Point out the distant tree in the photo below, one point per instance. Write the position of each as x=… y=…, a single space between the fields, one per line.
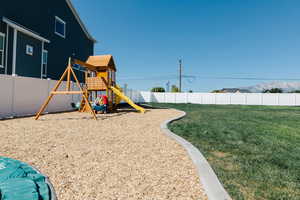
x=295 y=91
x=273 y=90
x=174 y=88
x=216 y=91
x=158 y=89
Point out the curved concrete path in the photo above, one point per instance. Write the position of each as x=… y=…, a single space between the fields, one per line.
x=213 y=188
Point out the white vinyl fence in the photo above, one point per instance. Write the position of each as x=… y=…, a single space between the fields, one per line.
x=287 y=99
x=22 y=96
x=134 y=95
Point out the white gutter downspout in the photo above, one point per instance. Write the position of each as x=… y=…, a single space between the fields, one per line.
x=6 y=48
x=14 y=52
x=43 y=44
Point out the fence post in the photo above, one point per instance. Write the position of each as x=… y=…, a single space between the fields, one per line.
x=150 y=97
x=215 y=98
x=175 y=97
x=201 y=98
x=13 y=96
x=139 y=93
x=187 y=97
x=259 y=98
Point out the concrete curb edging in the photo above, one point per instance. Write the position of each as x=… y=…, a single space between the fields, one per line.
x=212 y=186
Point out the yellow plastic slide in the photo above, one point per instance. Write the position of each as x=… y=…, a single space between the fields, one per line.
x=118 y=99
x=125 y=98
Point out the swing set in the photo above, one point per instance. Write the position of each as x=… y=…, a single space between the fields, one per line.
x=99 y=77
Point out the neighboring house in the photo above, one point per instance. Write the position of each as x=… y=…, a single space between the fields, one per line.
x=37 y=37
x=234 y=90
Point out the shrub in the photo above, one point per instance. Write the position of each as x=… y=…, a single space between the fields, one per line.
x=158 y=89
x=273 y=90
x=295 y=91
x=175 y=88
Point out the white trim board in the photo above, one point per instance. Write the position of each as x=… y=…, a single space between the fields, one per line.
x=3 y=50
x=46 y=65
x=42 y=57
x=14 y=52
x=64 y=24
x=6 y=48
x=18 y=27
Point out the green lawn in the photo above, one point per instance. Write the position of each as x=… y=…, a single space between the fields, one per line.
x=254 y=150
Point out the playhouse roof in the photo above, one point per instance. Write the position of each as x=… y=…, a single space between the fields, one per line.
x=102 y=62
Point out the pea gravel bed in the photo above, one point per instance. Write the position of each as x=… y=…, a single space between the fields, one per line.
x=120 y=156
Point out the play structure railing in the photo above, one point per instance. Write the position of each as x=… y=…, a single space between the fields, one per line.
x=95 y=83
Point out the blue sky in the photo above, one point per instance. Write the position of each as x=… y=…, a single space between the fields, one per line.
x=215 y=39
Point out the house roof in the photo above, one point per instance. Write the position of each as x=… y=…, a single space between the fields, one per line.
x=24 y=29
x=102 y=61
x=85 y=30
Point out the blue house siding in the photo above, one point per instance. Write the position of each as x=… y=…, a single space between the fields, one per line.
x=39 y=16
x=27 y=63
x=10 y=51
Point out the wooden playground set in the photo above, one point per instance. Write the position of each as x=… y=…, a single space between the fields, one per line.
x=100 y=76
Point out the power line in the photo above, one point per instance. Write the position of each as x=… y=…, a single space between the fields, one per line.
x=159 y=77
x=180 y=74
x=248 y=78
x=168 y=86
x=173 y=77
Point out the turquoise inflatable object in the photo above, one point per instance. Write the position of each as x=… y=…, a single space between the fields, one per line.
x=19 y=181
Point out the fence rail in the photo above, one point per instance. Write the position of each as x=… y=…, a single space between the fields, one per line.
x=288 y=99
x=22 y=96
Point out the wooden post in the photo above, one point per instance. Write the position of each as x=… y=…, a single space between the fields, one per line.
x=68 y=81
x=51 y=95
x=83 y=94
x=69 y=76
x=54 y=91
x=105 y=82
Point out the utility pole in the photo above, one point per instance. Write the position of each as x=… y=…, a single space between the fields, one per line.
x=180 y=74
x=125 y=88
x=168 y=86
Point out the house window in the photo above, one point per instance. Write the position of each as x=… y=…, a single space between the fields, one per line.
x=2 y=40
x=45 y=63
x=29 y=50
x=60 y=27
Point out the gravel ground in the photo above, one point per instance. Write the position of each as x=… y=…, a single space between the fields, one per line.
x=120 y=156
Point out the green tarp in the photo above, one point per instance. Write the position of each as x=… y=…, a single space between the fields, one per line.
x=19 y=181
